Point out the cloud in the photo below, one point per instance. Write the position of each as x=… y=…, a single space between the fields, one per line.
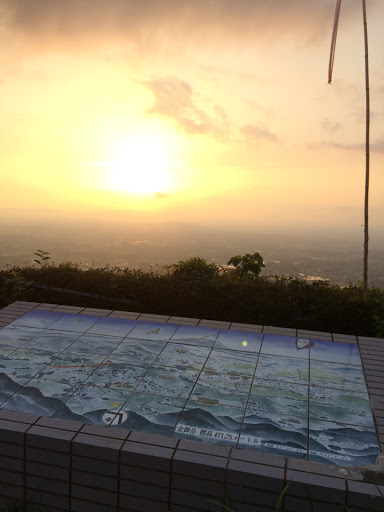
x=136 y=22
x=376 y=147
x=256 y=105
x=159 y=195
x=175 y=99
x=329 y=126
x=253 y=132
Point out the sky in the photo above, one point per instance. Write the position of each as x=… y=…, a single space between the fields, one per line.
x=195 y=110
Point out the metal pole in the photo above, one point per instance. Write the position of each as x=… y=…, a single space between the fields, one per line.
x=366 y=237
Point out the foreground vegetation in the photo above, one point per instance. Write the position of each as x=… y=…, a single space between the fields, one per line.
x=198 y=289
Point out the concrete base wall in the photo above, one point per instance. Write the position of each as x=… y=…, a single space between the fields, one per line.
x=61 y=465
x=64 y=465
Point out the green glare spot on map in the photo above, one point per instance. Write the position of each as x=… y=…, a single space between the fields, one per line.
x=245 y=343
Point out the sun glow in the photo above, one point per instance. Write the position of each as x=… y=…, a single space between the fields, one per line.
x=139 y=165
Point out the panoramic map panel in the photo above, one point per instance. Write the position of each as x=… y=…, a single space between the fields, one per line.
x=96 y=405
x=275 y=433
x=340 y=405
x=337 y=375
x=222 y=389
x=64 y=375
x=285 y=369
x=285 y=346
x=231 y=362
x=152 y=331
x=18 y=371
x=57 y=341
x=150 y=413
x=346 y=353
x=168 y=381
x=274 y=394
x=113 y=327
x=99 y=345
x=239 y=340
x=117 y=375
x=11 y=381
x=28 y=355
x=40 y=396
x=37 y=318
x=200 y=336
x=345 y=445
x=279 y=397
x=72 y=322
x=183 y=356
x=87 y=362
x=210 y=423
x=12 y=338
x=141 y=352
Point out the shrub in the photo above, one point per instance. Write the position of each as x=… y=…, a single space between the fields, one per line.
x=195 y=288
x=194 y=269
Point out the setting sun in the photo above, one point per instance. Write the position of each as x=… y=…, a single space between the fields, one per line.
x=139 y=165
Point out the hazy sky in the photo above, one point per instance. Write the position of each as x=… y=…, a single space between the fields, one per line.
x=191 y=109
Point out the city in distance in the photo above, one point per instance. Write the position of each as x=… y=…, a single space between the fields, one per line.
x=137 y=241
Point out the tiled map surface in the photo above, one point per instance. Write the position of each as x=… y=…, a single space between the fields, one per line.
x=296 y=397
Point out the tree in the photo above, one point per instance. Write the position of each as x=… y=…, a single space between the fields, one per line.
x=249 y=265
x=195 y=268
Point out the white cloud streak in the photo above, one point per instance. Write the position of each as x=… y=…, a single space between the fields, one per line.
x=253 y=132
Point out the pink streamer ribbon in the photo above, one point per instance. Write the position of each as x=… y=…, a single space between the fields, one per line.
x=333 y=41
